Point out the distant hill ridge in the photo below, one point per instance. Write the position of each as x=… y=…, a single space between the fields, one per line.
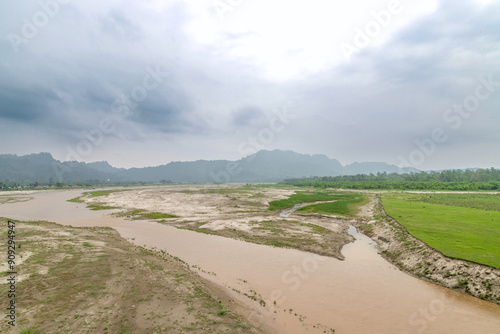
x=263 y=166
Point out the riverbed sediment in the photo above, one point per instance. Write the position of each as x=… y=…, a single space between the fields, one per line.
x=290 y=291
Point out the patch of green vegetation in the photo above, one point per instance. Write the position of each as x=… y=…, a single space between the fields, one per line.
x=29 y=330
x=347 y=205
x=99 y=193
x=222 y=310
x=316 y=228
x=77 y=200
x=457 y=231
x=140 y=214
x=99 y=206
x=129 y=213
x=303 y=197
x=158 y=215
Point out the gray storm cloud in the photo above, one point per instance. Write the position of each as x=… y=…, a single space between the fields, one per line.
x=64 y=79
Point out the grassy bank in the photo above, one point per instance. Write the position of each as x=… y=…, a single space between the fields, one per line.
x=465 y=226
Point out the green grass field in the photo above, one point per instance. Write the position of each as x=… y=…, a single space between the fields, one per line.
x=465 y=226
x=346 y=204
x=343 y=203
x=476 y=201
x=301 y=197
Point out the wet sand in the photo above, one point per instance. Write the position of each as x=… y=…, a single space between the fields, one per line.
x=363 y=294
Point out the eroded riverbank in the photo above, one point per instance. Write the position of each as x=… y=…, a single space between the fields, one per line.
x=418 y=259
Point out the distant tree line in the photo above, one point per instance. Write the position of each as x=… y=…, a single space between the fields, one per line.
x=466 y=180
x=14 y=185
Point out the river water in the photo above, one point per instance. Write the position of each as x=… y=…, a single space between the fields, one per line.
x=363 y=294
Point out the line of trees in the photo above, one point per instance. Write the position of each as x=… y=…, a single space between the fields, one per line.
x=465 y=180
x=12 y=185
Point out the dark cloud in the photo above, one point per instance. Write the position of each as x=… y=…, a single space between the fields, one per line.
x=164 y=112
x=23 y=106
x=67 y=78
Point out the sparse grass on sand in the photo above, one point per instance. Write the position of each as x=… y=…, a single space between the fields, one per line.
x=97 y=193
x=139 y=214
x=90 y=280
x=286 y=233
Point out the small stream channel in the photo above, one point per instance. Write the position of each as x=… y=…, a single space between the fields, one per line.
x=287 y=212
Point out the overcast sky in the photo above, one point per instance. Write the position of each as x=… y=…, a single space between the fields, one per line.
x=143 y=83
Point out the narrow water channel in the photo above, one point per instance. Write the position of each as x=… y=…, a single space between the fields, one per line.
x=363 y=294
x=287 y=212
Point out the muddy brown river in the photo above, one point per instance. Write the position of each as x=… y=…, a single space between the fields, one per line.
x=363 y=294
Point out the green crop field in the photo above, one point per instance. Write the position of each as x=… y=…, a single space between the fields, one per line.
x=465 y=226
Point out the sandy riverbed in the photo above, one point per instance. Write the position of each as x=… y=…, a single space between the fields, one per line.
x=362 y=294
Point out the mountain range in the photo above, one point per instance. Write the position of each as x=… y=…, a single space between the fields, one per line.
x=263 y=166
